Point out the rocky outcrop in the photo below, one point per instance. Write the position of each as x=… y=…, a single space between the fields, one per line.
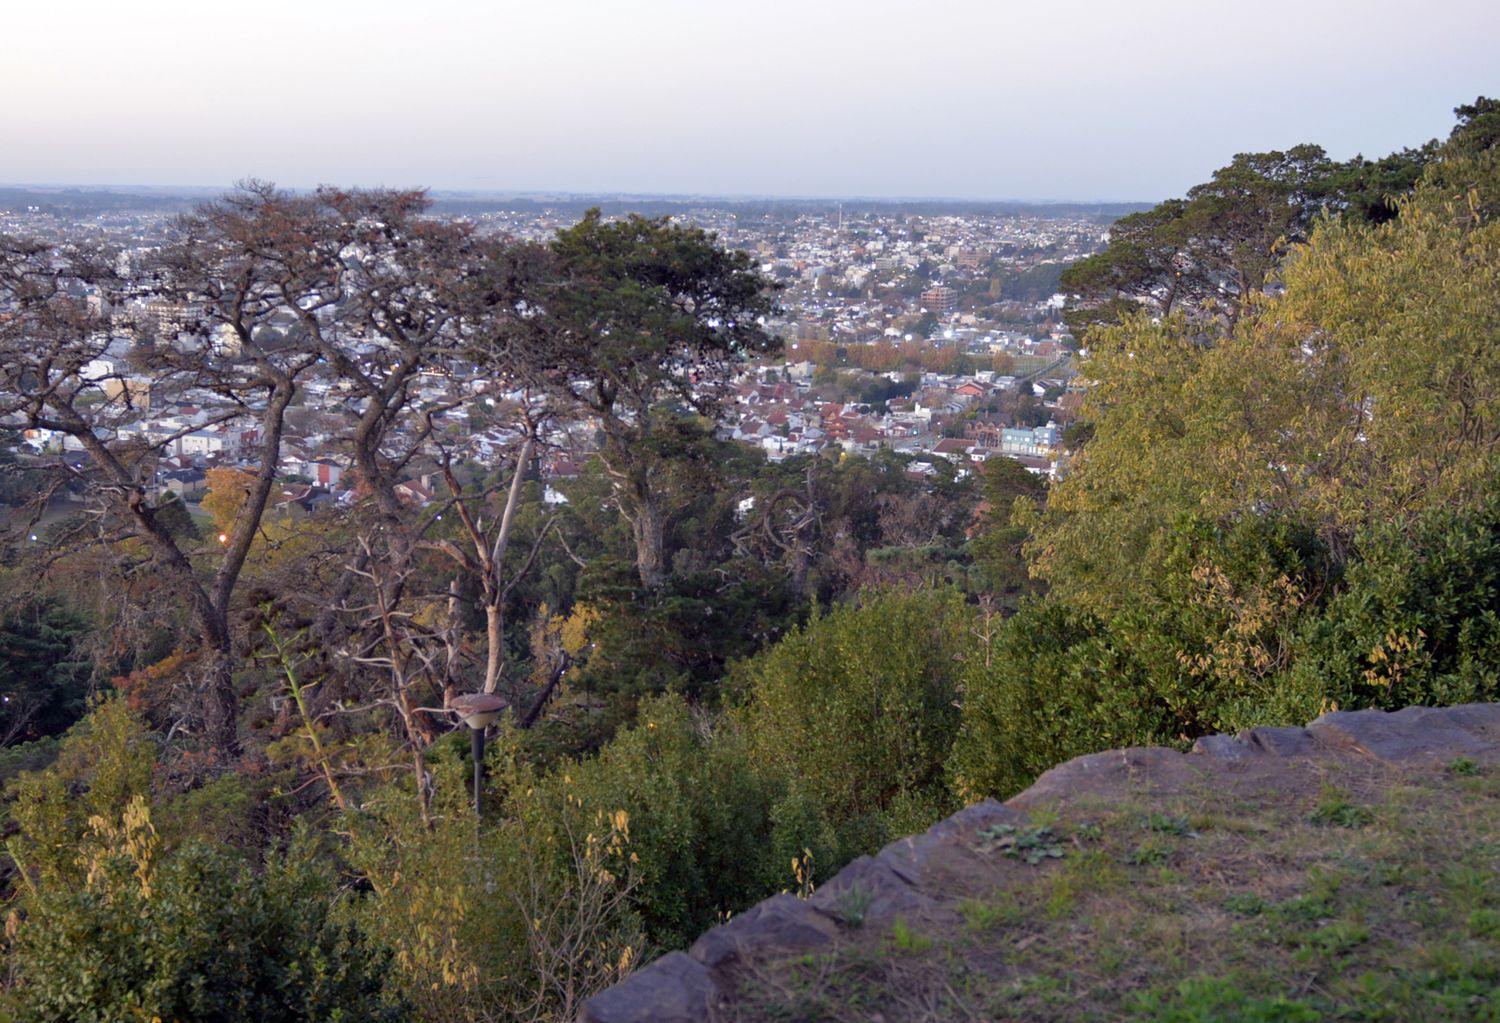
x=908 y=876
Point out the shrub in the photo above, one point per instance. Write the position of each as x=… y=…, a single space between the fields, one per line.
x=711 y=832
x=194 y=935
x=858 y=710
x=1055 y=683
x=106 y=760
x=1418 y=621
x=442 y=896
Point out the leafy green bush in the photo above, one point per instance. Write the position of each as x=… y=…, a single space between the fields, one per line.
x=194 y=935
x=859 y=710
x=106 y=761
x=1214 y=632
x=1417 y=622
x=442 y=895
x=520 y=916
x=1055 y=683
x=712 y=832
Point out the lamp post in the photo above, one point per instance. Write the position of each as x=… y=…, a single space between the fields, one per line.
x=478 y=711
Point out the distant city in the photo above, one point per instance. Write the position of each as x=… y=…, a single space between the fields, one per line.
x=927 y=327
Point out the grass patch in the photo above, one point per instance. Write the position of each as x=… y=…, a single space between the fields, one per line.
x=1335 y=810
x=1350 y=896
x=854 y=903
x=908 y=940
x=1033 y=845
x=982 y=915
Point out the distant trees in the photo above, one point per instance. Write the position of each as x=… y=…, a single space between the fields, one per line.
x=1207 y=254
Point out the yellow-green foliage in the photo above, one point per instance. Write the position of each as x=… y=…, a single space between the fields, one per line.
x=118 y=921
x=858 y=710
x=520 y=917
x=1368 y=388
x=712 y=830
x=442 y=897
x=105 y=764
x=194 y=935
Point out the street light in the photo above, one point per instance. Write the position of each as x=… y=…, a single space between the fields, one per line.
x=478 y=711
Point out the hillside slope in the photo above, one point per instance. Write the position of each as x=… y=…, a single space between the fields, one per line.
x=1343 y=870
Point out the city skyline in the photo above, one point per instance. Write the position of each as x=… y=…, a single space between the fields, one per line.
x=952 y=100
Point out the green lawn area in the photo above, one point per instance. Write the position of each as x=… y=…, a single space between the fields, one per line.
x=1359 y=898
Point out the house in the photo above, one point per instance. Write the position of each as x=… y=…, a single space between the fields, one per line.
x=1032 y=443
x=183 y=482
x=293 y=499
x=324 y=472
x=412 y=493
x=955 y=449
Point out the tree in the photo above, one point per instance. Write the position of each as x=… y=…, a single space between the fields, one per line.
x=998 y=540
x=1209 y=253
x=1216 y=247
x=44 y=682
x=1051 y=684
x=1143 y=264
x=240 y=263
x=1369 y=389
x=226 y=490
x=1478 y=127
x=1367 y=190
x=1241 y=221
x=397 y=305
x=634 y=319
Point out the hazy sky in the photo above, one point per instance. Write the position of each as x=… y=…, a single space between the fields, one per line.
x=1049 y=99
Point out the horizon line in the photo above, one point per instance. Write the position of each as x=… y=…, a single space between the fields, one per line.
x=571 y=195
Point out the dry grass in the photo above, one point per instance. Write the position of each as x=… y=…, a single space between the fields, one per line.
x=1352 y=894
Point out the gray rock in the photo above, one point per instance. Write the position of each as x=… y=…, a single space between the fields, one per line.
x=684 y=988
x=885 y=893
x=783 y=923
x=906 y=857
x=1412 y=735
x=1257 y=742
x=674 y=989
x=1223 y=747
x=976 y=817
x=1478 y=719
x=1110 y=774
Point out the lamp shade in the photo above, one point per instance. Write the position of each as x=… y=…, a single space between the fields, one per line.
x=478 y=710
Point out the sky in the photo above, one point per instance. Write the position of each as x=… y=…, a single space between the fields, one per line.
x=987 y=99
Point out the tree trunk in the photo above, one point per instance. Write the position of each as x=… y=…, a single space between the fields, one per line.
x=493 y=563
x=220 y=703
x=453 y=672
x=650 y=538
x=494 y=623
